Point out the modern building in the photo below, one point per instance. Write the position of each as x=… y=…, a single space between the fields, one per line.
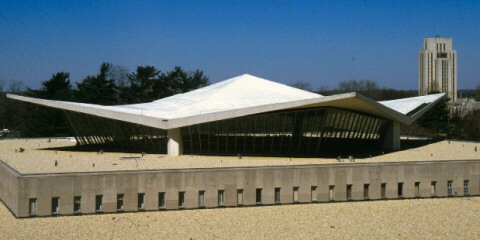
x=437 y=68
x=243 y=115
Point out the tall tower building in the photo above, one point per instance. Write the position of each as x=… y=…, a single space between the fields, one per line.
x=437 y=67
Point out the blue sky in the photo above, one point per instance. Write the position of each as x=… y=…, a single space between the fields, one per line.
x=321 y=42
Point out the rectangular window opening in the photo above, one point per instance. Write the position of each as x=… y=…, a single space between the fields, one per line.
x=295 y=194
x=349 y=192
x=32 y=204
x=450 y=188
x=331 y=192
x=240 y=197
x=383 y=191
x=141 y=201
x=55 y=205
x=120 y=202
x=417 y=189
x=400 y=190
x=99 y=203
x=201 y=199
x=433 y=188
x=161 y=200
x=366 y=191
x=465 y=188
x=77 y=204
x=314 y=193
x=181 y=199
x=258 y=196
x=221 y=198
x=277 y=196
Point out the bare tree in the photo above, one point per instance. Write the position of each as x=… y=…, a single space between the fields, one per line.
x=302 y=85
x=16 y=86
x=2 y=83
x=368 y=88
x=120 y=75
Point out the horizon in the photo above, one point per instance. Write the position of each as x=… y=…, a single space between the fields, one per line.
x=319 y=43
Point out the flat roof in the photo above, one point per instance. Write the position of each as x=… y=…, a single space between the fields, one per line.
x=38 y=158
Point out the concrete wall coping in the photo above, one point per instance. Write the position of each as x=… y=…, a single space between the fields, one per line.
x=185 y=170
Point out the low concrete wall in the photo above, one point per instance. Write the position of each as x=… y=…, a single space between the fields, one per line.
x=66 y=186
x=9 y=187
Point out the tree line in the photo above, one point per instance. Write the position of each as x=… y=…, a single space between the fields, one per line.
x=112 y=85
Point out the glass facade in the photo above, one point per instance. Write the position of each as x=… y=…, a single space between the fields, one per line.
x=293 y=132
x=305 y=132
x=106 y=133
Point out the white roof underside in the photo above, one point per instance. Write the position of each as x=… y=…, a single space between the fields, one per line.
x=406 y=105
x=236 y=97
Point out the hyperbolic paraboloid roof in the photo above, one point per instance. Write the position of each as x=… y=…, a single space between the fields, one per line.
x=241 y=96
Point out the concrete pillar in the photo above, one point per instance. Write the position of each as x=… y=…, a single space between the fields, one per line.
x=391 y=140
x=175 y=144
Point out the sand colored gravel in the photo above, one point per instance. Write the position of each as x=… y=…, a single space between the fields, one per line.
x=36 y=160
x=452 y=218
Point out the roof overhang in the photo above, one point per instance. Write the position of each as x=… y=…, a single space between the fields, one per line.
x=349 y=101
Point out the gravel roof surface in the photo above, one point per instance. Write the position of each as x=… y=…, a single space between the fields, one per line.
x=37 y=158
x=446 y=218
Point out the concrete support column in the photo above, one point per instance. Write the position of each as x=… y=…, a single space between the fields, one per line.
x=391 y=140
x=175 y=144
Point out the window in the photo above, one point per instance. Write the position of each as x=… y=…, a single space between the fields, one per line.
x=119 y=202
x=77 y=204
x=349 y=192
x=433 y=187
x=240 y=197
x=366 y=191
x=449 y=188
x=465 y=188
x=181 y=199
x=141 y=201
x=201 y=199
x=295 y=194
x=314 y=193
x=417 y=189
x=383 y=191
x=258 y=196
x=55 y=205
x=400 y=190
x=277 y=196
x=331 y=192
x=99 y=203
x=221 y=197
x=32 y=203
x=161 y=200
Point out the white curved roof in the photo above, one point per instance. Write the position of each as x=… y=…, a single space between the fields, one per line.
x=236 y=97
x=406 y=105
x=236 y=93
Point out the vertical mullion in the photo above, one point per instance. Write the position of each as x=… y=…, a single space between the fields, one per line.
x=273 y=132
x=292 y=130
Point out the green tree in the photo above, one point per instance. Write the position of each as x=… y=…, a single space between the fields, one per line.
x=477 y=94
x=47 y=122
x=178 y=81
x=99 y=89
x=436 y=118
x=141 y=85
